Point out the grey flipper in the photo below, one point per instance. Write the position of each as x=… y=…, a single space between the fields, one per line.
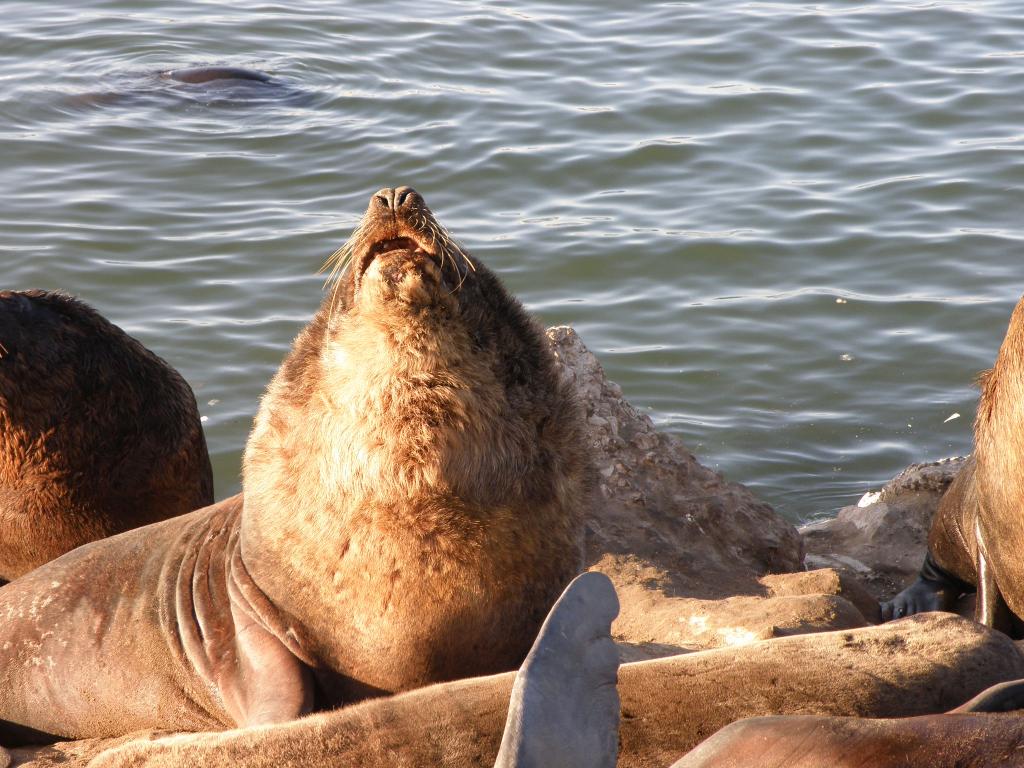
x=564 y=710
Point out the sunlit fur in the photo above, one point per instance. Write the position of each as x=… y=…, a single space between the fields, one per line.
x=417 y=465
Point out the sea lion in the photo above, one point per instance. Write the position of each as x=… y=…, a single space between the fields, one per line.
x=978 y=733
x=925 y=664
x=805 y=741
x=977 y=534
x=203 y=75
x=207 y=86
x=413 y=494
x=97 y=434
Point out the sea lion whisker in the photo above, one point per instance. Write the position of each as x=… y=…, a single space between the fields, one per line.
x=435 y=244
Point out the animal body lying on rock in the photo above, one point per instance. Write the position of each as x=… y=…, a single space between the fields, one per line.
x=97 y=434
x=925 y=664
x=413 y=495
x=985 y=732
x=977 y=535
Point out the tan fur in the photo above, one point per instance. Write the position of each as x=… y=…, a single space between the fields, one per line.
x=413 y=496
x=426 y=511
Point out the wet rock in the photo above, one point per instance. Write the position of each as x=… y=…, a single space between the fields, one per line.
x=882 y=540
x=686 y=548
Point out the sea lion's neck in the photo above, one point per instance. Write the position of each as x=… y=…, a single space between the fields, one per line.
x=365 y=430
x=370 y=412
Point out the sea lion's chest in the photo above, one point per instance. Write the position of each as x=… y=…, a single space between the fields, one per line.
x=424 y=606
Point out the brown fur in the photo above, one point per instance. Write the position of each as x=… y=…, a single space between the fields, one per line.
x=920 y=665
x=413 y=496
x=97 y=434
x=417 y=472
x=981 y=516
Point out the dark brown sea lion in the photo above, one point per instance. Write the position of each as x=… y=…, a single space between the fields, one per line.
x=97 y=434
x=977 y=536
x=202 y=75
x=414 y=487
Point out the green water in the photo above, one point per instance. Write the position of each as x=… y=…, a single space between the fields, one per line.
x=792 y=233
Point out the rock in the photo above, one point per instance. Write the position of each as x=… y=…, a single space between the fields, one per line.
x=788 y=604
x=884 y=541
x=661 y=507
x=921 y=665
x=824 y=581
x=677 y=538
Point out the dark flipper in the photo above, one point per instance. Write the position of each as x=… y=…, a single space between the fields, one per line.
x=936 y=589
x=1004 y=697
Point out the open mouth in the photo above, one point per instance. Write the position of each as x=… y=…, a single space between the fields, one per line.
x=394 y=244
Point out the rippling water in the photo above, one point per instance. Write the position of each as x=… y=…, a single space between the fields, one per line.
x=791 y=232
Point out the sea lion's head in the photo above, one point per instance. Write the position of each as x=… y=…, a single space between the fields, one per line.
x=420 y=376
x=399 y=253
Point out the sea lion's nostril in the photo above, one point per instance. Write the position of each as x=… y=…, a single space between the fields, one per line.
x=404 y=195
x=385 y=198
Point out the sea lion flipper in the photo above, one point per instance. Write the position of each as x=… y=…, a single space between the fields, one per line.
x=564 y=708
x=935 y=589
x=1003 y=697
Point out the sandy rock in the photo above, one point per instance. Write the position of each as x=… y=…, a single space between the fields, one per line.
x=824 y=581
x=787 y=604
x=921 y=665
x=732 y=621
x=883 y=542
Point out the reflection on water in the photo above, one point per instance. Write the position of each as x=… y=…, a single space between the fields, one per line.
x=790 y=232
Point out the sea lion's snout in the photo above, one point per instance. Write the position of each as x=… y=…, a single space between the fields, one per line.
x=401 y=252
x=397 y=200
x=400 y=248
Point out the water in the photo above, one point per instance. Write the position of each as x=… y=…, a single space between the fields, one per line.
x=792 y=233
